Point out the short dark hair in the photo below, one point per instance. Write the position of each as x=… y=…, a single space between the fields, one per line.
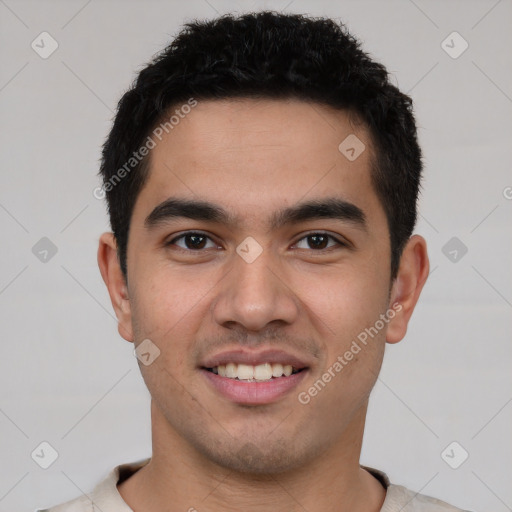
x=267 y=55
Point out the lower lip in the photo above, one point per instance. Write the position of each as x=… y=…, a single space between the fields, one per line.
x=254 y=393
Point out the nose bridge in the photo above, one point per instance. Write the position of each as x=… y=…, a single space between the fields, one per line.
x=253 y=294
x=253 y=279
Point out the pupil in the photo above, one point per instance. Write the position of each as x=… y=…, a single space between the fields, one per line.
x=195 y=243
x=322 y=239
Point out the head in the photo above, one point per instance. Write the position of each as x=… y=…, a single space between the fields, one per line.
x=276 y=136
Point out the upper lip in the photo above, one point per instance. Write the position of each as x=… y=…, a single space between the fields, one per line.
x=240 y=356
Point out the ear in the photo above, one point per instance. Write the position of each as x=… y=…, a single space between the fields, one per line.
x=117 y=288
x=406 y=289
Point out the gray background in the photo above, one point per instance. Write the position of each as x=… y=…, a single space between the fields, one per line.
x=70 y=380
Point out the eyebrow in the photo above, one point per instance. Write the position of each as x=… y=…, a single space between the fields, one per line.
x=326 y=208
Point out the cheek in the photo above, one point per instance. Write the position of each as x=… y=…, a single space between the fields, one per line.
x=163 y=297
x=345 y=305
x=165 y=309
x=345 y=300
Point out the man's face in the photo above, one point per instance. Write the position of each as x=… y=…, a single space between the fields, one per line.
x=212 y=297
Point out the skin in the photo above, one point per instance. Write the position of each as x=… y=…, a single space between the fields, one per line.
x=253 y=157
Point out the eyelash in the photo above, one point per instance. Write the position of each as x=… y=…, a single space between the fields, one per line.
x=321 y=233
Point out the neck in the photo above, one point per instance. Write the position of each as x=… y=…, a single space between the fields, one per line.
x=179 y=478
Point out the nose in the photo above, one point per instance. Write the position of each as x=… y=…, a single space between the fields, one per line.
x=254 y=295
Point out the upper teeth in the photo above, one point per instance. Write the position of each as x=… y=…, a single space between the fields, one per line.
x=248 y=372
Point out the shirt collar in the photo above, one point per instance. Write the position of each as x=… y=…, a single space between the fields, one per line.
x=107 y=498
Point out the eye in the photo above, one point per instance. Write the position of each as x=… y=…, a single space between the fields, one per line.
x=197 y=241
x=192 y=241
x=319 y=241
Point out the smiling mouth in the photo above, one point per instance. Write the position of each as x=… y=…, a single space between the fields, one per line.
x=260 y=373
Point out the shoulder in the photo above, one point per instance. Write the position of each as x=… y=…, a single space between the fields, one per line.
x=105 y=496
x=400 y=499
x=405 y=500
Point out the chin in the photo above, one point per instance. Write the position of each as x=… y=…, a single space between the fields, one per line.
x=255 y=458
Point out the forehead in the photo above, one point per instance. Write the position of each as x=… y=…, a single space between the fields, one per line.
x=258 y=155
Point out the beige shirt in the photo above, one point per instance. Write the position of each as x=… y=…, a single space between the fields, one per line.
x=106 y=498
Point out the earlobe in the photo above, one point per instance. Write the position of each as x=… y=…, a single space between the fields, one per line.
x=406 y=289
x=113 y=277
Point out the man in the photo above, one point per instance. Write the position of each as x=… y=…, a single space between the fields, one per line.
x=262 y=176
